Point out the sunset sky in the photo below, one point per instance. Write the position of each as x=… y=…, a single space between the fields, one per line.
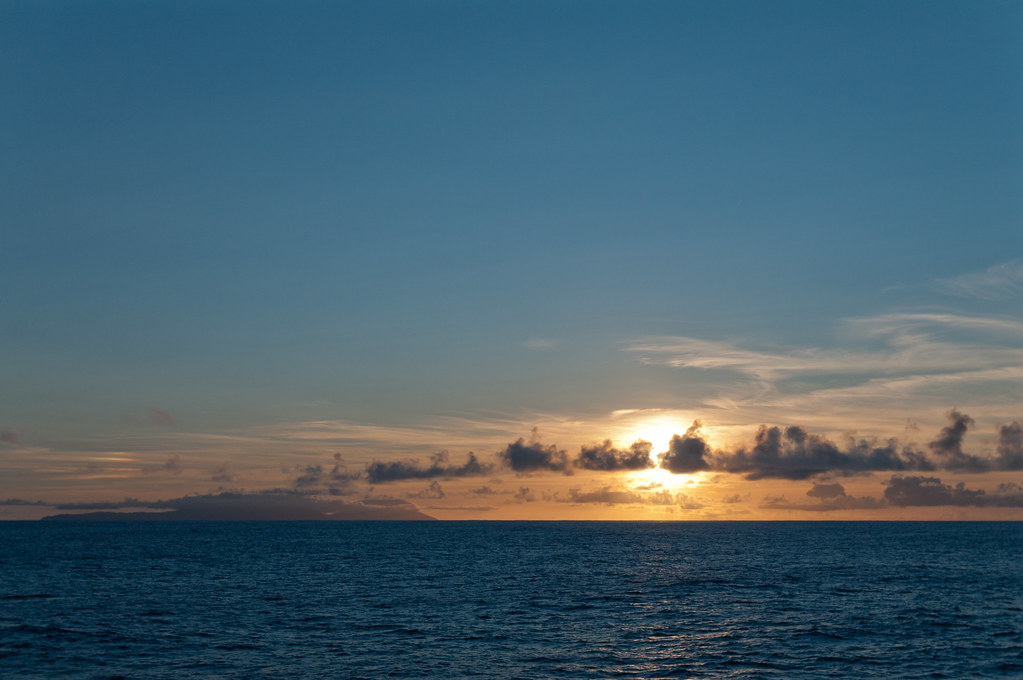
x=434 y=255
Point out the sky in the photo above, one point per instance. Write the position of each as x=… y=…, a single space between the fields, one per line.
x=464 y=258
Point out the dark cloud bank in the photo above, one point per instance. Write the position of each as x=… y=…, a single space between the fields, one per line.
x=377 y=472
x=929 y=491
x=903 y=492
x=790 y=453
x=781 y=453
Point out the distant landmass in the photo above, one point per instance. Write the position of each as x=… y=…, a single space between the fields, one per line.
x=252 y=507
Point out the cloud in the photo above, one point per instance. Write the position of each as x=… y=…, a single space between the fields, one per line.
x=487 y=491
x=442 y=432
x=834 y=497
x=275 y=504
x=1010 y=447
x=171 y=464
x=388 y=501
x=113 y=505
x=948 y=447
x=686 y=454
x=878 y=364
x=434 y=490
x=994 y=283
x=222 y=475
x=462 y=508
x=380 y=472
x=902 y=328
x=687 y=502
x=8 y=436
x=608 y=495
x=316 y=477
x=795 y=454
x=683 y=352
x=790 y=452
x=929 y=491
x=826 y=491
x=519 y=456
x=522 y=457
x=20 y=502
x=606 y=457
x=158 y=416
x=312 y=476
x=891 y=344
x=525 y=495
x=831 y=497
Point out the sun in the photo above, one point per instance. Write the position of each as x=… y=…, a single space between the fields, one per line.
x=657 y=430
x=657 y=427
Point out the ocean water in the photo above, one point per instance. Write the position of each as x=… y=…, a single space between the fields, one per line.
x=511 y=600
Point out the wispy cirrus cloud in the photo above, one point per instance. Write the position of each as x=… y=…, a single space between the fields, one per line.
x=912 y=360
x=997 y=282
x=903 y=344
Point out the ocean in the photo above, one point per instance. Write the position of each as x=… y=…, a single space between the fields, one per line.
x=511 y=600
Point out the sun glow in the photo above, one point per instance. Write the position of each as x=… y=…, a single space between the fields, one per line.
x=656 y=430
x=661 y=478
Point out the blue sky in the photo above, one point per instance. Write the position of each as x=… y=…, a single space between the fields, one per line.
x=395 y=214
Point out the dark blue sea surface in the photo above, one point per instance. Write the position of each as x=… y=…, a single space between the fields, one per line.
x=511 y=600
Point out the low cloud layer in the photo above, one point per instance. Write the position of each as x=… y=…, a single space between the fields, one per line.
x=786 y=453
x=791 y=453
x=523 y=457
x=929 y=491
x=606 y=457
x=20 y=502
x=902 y=492
x=378 y=472
x=612 y=496
x=830 y=496
x=276 y=504
x=313 y=478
